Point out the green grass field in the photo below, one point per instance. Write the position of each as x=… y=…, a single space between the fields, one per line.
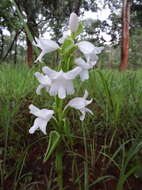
x=106 y=154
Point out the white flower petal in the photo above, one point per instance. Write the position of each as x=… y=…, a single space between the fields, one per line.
x=85 y=94
x=87 y=102
x=73 y=22
x=91 y=58
x=38 y=90
x=39 y=124
x=86 y=47
x=61 y=93
x=82 y=117
x=48 y=45
x=35 y=126
x=77 y=103
x=84 y=75
x=70 y=88
x=47 y=88
x=98 y=49
x=73 y=73
x=44 y=114
x=50 y=72
x=43 y=52
x=42 y=125
x=33 y=109
x=81 y=63
x=89 y=111
x=53 y=91
x=43 y=79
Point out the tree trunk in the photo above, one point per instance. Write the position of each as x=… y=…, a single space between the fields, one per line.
x=29 y=53
x=11 y=45
x=2 y=44
x=125 y=35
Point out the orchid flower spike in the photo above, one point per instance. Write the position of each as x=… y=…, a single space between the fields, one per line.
x=61 y=81
x=84 y=74
x=73 y=22
x=80 y=104
x=46 y=46
x=44 y=81
x=43 y=117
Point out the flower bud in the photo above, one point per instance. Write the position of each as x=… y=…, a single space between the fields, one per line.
x=73 y=22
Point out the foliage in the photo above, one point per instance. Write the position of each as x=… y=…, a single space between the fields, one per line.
x=113 y=142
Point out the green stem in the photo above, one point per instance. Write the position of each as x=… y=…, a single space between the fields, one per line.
x=59 y=168
x=86 y=186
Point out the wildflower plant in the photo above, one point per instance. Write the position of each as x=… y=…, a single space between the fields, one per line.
x=59 y=84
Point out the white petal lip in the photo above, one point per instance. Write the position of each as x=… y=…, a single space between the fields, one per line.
x=46 y=46
x=73 y=22
x=43 y=117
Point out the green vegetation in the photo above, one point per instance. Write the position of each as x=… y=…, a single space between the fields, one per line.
x=105 y=151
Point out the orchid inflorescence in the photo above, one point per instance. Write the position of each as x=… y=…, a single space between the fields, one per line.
x=60 y=83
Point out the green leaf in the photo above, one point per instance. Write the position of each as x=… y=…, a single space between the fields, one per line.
x=54 y=139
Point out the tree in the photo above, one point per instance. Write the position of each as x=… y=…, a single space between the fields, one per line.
x=7 y=15
x=125 y=35
x=31 y=10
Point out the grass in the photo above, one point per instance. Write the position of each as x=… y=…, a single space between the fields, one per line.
x=105 y=151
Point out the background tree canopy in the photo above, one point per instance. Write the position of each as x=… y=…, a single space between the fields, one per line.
x=42 y=16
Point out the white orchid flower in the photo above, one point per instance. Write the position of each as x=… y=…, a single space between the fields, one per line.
x=90 y=51
x=66 y=34
x=80 y=104
x=73 y=22
x=84 y=74
x=43 y=117
x=46 y=46
x=44 y=81
x=61 y=81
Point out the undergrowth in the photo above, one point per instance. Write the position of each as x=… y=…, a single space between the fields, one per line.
x=110 y=144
